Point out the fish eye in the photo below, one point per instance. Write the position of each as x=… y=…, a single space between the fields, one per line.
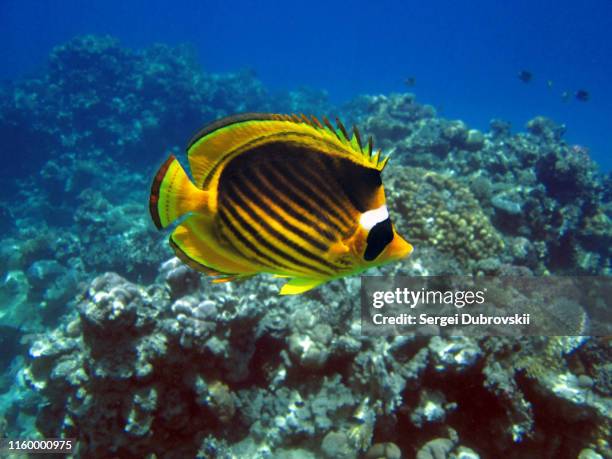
x=379 y=237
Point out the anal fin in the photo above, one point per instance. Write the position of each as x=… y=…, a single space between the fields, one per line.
x=231 y=278
x=195 y=243
x=299 y=285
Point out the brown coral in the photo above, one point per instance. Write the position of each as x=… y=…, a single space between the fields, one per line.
x=434 y=210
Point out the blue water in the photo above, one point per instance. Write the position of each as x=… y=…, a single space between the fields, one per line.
x=464 y=55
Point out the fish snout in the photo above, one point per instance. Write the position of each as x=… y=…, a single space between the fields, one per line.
x=398 y=248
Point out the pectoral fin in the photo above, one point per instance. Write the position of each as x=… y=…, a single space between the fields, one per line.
x=338 y=248
x=299 y=285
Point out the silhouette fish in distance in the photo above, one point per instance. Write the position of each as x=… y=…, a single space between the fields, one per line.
x=525 y=76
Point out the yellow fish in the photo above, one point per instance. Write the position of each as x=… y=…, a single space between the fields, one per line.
x=279 y=194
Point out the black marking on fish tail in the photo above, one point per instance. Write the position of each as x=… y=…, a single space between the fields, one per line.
x=155 y=188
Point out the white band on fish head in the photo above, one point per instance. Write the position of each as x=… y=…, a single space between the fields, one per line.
x=368 y=219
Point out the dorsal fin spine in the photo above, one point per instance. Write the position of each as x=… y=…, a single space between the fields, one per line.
x=376 y=157
x=384 y=162
x=331 y=127
x=342 y=129
x=316 y=122
x=353 y=142
x=358 y=137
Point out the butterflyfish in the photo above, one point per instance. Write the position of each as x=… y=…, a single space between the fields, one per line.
x=287 y=195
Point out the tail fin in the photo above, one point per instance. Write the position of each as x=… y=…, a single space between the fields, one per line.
x=173 y=194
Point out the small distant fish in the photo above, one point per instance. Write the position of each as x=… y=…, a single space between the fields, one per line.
x=582 y=95
x=410 y=81
x=525 y=76
x=565 y=96
x=281 y=194
x=549 y=84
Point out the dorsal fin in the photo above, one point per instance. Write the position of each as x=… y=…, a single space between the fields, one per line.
x=316 y=122
x=330 y=127
x=342 y=129
x=357 y=137
x=229 y=137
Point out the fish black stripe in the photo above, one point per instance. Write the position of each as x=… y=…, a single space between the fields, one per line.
x=301 y=181
x=244 y=227
x=283 y=161
x=359 y=184
x=292 y=173
x=286 y=186
x=324 y=183
x=325 y=208
x=238 y=234
x=234 y=194
x=248 y=206
x=239 y=230
x=256 y=198
x=319 y=174
x=281 y=199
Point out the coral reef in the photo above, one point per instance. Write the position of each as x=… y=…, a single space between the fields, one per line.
x=110 y=340
x=259 y=376
x=437 y=211
x=97 y=93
